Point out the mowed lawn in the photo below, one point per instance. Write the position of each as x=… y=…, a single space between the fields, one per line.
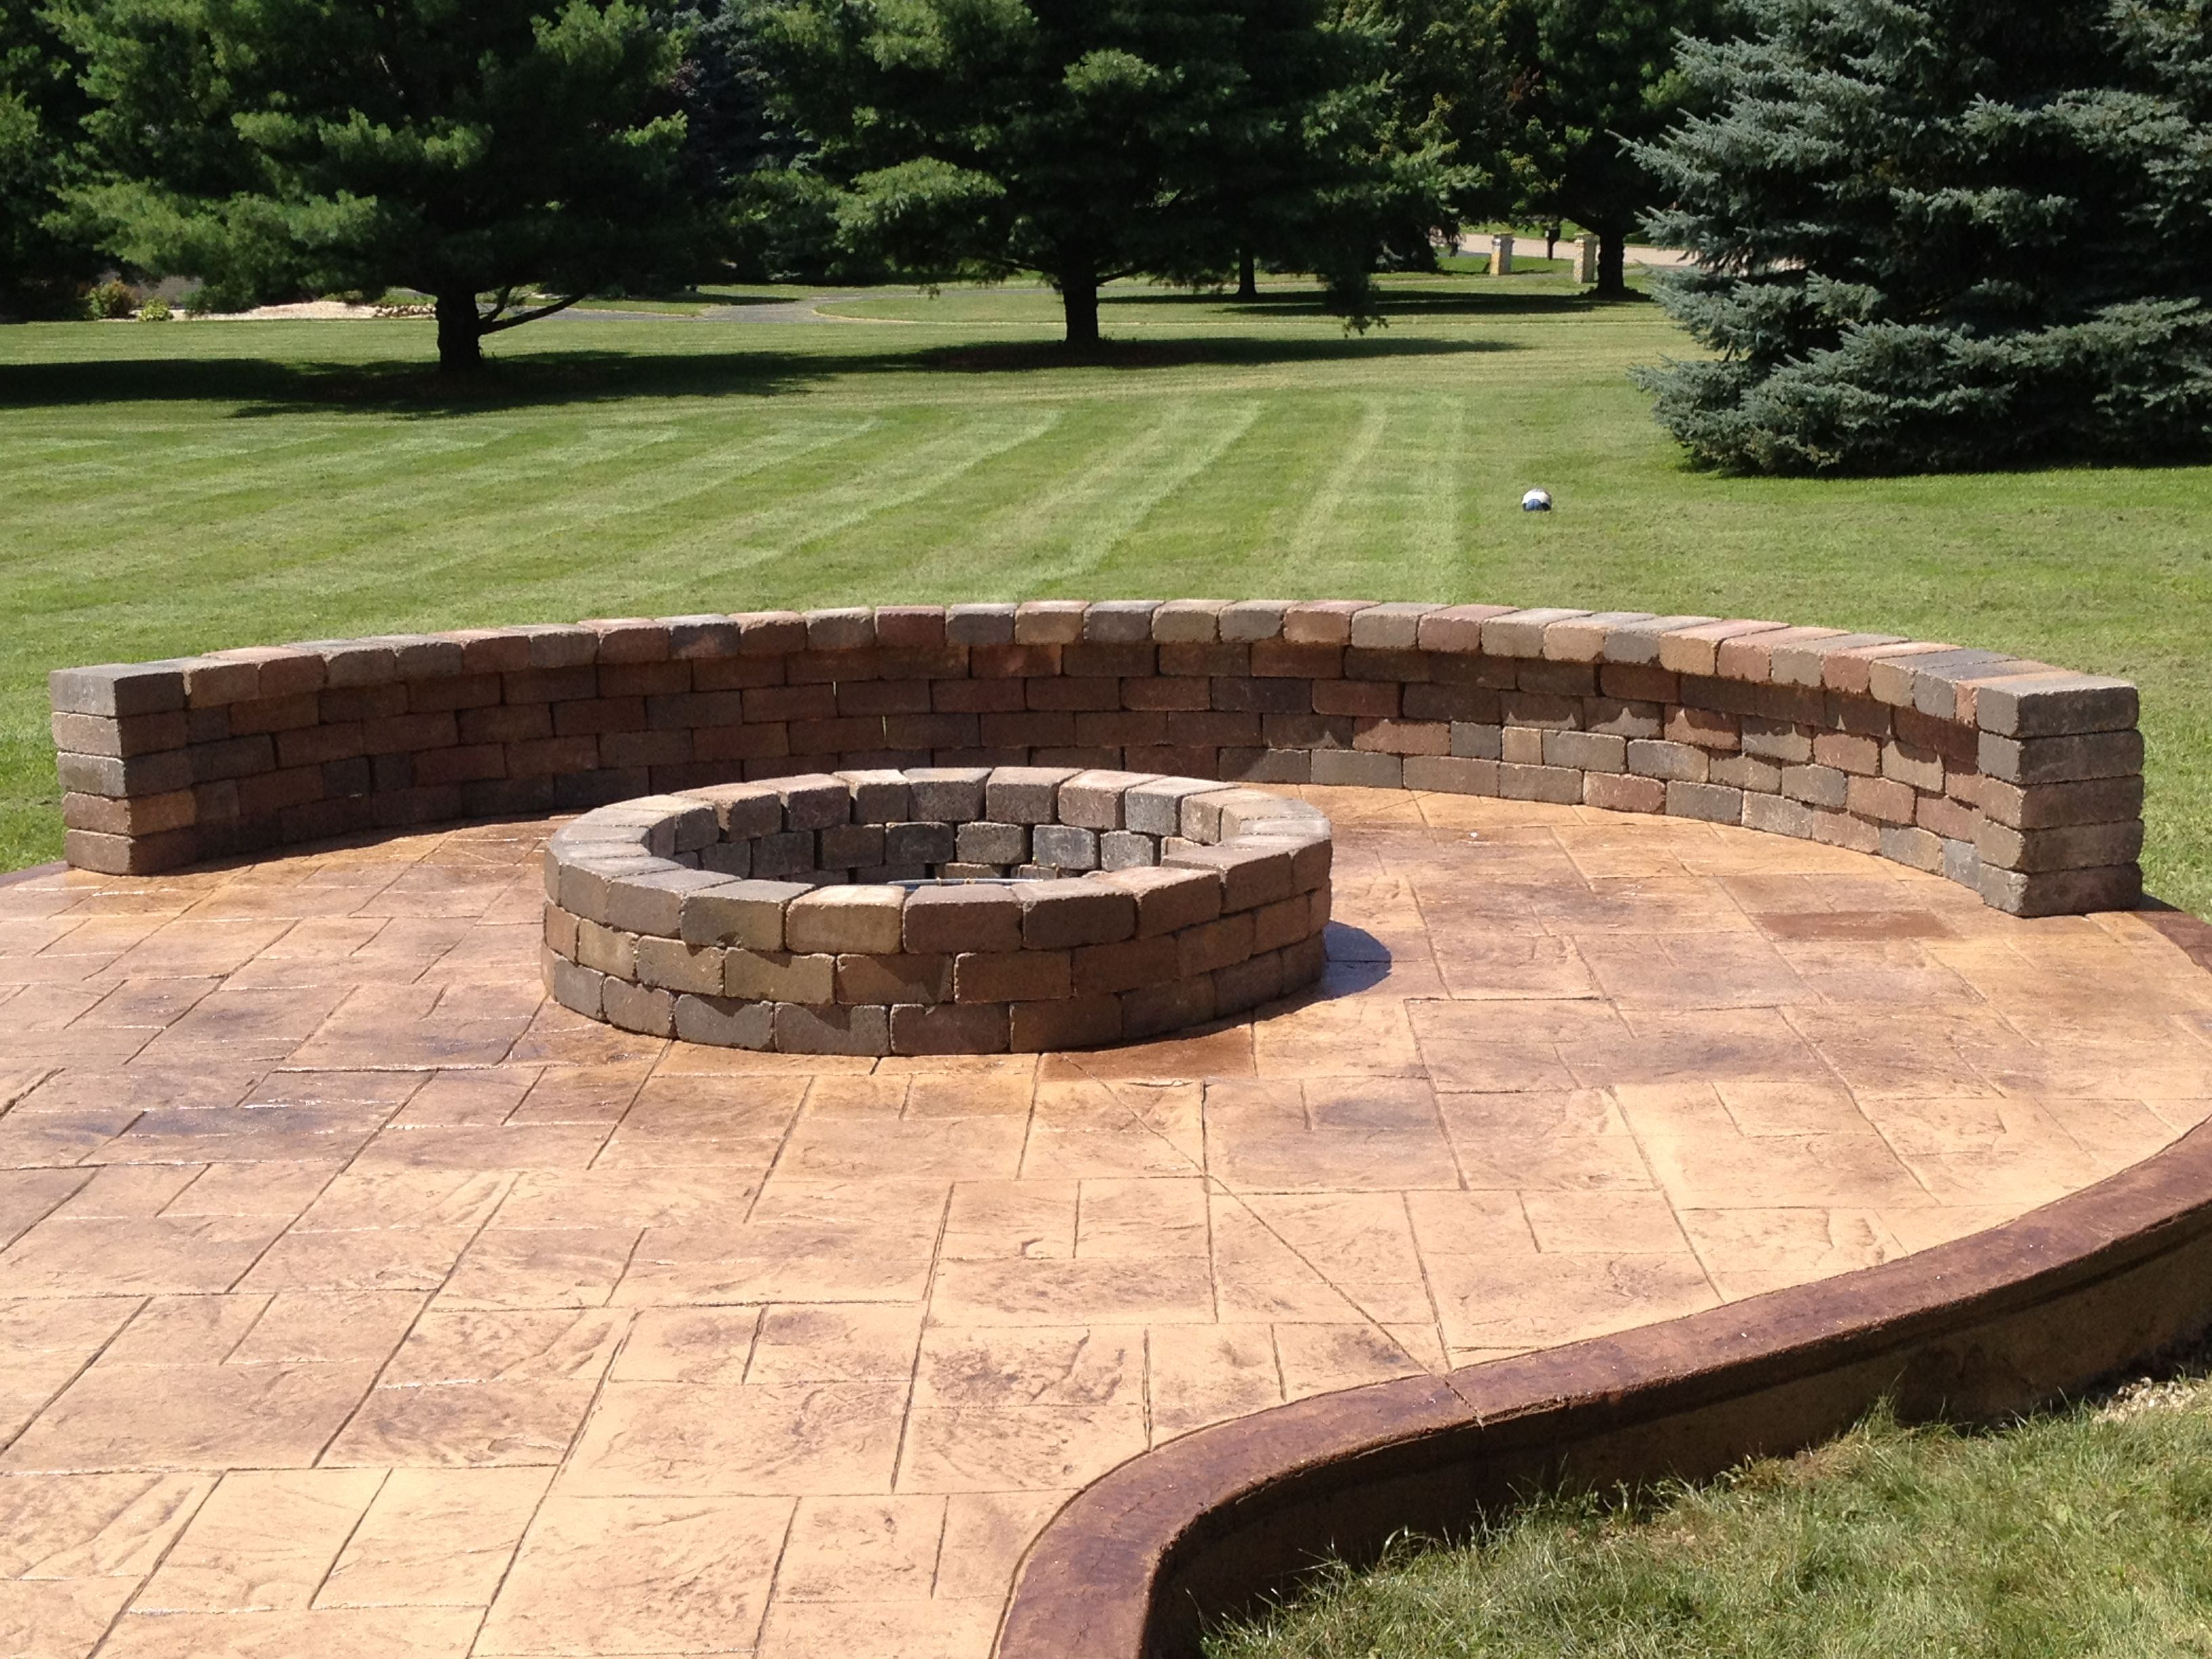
x=172 y=488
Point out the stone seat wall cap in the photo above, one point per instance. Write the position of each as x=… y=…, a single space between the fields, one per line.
x=841 y=627
x=1637 y=644
x=1156 y=808
x=1188 y=622
x=979 y=624
x=1323 y=621
x=1801 y=662
x=2056 y=704
x=213 y=681
x=1521 y=632
x=286 y=671
x=748 y=912
x=1695 y=650
x=1579 y=639
x=1049 y=622
x=706 y=634
x=1457 y=629
x=631 y=640
x=560 y=645
x=1747 y=657
x=1119 y=621
x=1395 y=626
x=1891 y=680
x=489 y=650
x=1948 y=692
x=1245 y=620
x=354 y=662
x=1200 y=818
x=1849 y=671
x=910 y=627
x=770 y=633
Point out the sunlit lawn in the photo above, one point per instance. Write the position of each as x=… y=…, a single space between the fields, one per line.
x=172 y=488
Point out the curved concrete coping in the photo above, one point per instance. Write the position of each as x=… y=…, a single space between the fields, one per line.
x=1996 y=1323
x=2011 y=777
x=1087 y=907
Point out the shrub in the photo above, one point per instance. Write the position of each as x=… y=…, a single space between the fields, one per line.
x=155 y=310
x=109 y=300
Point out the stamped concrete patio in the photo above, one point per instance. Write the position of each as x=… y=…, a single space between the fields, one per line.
x=359 y=1301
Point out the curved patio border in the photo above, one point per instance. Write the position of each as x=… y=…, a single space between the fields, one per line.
x=1975 y=1329
x=2018 y=779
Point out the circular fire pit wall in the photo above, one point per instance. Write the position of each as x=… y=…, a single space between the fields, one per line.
x=936 y=910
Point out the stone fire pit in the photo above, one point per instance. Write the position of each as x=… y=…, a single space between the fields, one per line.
x=935 y=910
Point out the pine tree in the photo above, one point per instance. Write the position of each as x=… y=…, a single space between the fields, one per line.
x=459 y=148
x=1597 y=77
x=1943 y=234
x=1093 y=139
x=42 y=265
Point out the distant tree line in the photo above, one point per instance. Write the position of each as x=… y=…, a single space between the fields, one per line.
x=1926 y=233
x=505 y=157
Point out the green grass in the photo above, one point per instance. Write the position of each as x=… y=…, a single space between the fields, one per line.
x=2084 y=1533
x=174 y=489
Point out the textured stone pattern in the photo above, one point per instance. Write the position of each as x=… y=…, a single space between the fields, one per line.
x=358 y=1301
x=2015 y=778
x=760 y=915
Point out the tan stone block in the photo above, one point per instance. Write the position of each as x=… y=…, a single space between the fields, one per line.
x=1947 y=818
x=2046 y=805
x=1058 y=915
x=1816 y=785
x=1706 y=728
x=817 y=1029
x=676 y=966
x=972 y=1028
x=961 y=919
x=1068 y=1023
x=1653 y=757
x=1214 y=945
x=1923 y=768
x=638 y=1008
x=1092 y=800
x=839 y=920
x=1880 y=799
x=606 y=949
x=1452 y=774
x=1252 y=873
x=1847 y=752
x=749 y=914
x=1624 y=794
x=1695 y=650
x=1106 y=969
x=1169 y=899
x=560 y=931
x=902 y=977
x=1712 y=802
x=725 y=1022
x=779 y=976
x=1522 y=746
x=1011 y=975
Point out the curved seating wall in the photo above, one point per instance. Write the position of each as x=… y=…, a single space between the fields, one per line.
x=2015 y=778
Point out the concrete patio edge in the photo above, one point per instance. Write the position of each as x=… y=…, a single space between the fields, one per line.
x=1987 y=1325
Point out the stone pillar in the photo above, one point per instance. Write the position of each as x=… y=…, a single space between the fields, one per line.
x=1501 y=256
x=1586 y=260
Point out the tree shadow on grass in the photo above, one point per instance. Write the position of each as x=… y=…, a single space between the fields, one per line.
x=262 y=387
x=1405 y=303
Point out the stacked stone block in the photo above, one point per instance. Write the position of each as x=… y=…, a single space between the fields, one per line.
x=660 y=918
x=2017 y=779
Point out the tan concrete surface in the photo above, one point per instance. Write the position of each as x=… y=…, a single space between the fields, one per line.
x=357 y=1301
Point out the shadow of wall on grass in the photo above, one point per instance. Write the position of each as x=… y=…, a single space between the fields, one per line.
x=262 y=386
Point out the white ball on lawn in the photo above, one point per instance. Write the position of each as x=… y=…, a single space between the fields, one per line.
x=1536 y=500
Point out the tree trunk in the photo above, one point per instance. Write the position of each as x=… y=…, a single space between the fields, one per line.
x=460 y=340
x=1247 y=278
x=1612 y=261
x=1078 y=299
